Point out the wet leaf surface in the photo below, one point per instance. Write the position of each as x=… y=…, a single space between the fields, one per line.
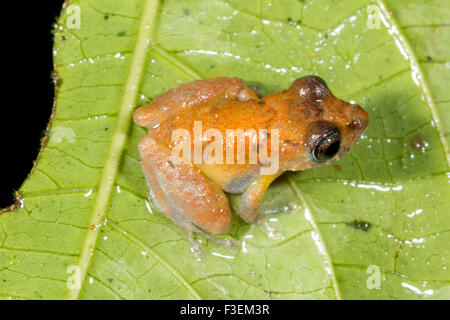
x=383 y=207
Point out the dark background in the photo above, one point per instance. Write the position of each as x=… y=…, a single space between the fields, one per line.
x=27 y=87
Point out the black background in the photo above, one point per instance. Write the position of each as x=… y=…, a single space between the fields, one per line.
x=27 y=87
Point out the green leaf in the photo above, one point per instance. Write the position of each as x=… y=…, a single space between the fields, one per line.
x=384 y=207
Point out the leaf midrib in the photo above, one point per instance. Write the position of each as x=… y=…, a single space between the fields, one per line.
x=118 y=139
x=415 y=66
x=319 y=241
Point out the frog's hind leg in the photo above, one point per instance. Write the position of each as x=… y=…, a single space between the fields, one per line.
x=162 y=205
x=182 y=192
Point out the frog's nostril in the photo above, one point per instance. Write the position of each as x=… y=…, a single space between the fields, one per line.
x=359 y=118
x=355 y=124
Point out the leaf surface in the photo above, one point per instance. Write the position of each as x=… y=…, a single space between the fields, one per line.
x=383 y=207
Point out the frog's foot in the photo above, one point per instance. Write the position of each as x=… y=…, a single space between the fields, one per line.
x=191 y=229
x=181 y=192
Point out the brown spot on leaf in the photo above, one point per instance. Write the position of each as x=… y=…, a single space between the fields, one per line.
x=359 y=225
x=418 y=143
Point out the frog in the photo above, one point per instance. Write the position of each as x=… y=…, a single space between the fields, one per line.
x=314 y=129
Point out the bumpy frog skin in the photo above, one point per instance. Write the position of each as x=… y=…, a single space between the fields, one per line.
x=315 y=129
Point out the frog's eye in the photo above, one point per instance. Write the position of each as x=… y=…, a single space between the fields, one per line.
x=324 y=141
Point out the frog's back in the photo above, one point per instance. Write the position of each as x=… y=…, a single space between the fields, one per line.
x=248 y=116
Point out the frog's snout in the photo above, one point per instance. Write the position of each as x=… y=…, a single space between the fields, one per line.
x=359 y=119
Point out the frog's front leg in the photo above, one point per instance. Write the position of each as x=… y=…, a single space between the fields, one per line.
x=182 y=192
x=189 y=95
x=249 y=209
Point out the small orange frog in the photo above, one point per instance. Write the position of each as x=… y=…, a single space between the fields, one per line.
x=314 y=129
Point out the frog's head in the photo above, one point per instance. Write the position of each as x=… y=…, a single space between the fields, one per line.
x=333 y=125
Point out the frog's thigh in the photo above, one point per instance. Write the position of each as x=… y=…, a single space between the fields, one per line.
x=156 y=193
x=249 y=209
x=190 y=196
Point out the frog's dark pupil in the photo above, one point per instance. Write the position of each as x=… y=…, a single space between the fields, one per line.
x=332 y=149
x=327 y=146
